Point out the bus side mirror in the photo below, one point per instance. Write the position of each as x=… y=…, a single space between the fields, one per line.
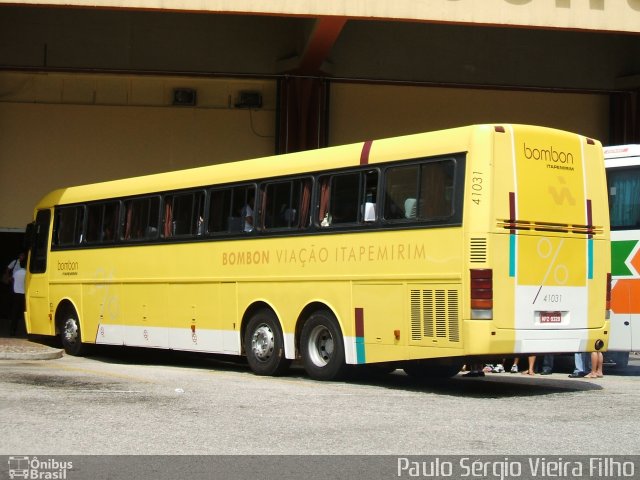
x=29 y=235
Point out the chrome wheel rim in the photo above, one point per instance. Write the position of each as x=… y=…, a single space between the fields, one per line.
x=320 y=346
x=263 y=343
x=71 y=331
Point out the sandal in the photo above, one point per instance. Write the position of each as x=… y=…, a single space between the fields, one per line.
x=591 y=375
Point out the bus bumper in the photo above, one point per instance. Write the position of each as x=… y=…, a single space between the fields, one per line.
x=483 y=338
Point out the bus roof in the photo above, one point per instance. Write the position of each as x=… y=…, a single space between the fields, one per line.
x=621 y=151
x=443 y=142
x=398 y=148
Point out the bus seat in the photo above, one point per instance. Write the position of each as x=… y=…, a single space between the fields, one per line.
x=369 y=212
x=410 y=208
x=236 y=224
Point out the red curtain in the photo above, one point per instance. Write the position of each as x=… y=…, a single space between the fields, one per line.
x=625 y=118
x=302 y=114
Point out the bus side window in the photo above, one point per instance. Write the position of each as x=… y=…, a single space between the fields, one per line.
x=110 y=221
x=94 y=222
x=344 y=198
x=348 y=198
x=39 y=243
x=324 y=218
x=624 y=207
x=219 y=211
x=286 y=204
x=370 y=189
x=232 y=210
x=183 y=214
x=435 y=190
x=102 y=222
x=68 y=226
x=421 y=192
x=141 y=218
x=401 y=187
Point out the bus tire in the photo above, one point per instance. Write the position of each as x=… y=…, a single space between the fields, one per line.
x=70 y=334
x=431 y=369
x=264 y=344
x=322 y=347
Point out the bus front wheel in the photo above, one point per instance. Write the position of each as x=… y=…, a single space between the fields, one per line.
x=264 y=344
x=70 y=334
x=322 y=347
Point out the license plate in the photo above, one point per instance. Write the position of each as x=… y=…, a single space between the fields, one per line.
x=550 y=317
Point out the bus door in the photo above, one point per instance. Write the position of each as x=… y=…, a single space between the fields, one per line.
x=38 y=311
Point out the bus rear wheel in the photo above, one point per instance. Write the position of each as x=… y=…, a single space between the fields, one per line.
x=70 y=334
x=322 y=347
x=264 y=344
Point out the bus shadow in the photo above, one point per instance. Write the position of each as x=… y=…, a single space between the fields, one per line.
x=628 y=371
x=492 y=386
x=169 y=358
x=488 y=387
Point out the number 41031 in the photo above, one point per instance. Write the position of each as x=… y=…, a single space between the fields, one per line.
x=476 y=187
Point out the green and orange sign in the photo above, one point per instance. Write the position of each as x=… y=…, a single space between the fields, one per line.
x=625 y=263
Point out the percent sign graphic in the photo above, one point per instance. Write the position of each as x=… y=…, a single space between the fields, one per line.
x=560 y=271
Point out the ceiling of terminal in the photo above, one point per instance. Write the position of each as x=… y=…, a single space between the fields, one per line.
x=173 y=43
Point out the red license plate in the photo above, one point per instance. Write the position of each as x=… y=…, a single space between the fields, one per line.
x=550 y=317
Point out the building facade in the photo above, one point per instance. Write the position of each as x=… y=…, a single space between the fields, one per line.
x=92 y=91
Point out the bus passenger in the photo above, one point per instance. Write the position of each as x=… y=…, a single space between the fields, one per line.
x=247 y=214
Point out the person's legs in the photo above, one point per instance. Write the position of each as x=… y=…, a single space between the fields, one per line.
x=476 y=371
x=600 y=364
x=15 y=309
x=586 y=360
x=579 y=363
x=596 y=365
x=580 y=369
x=547 y=364
x=532 y=362
x=514 y=367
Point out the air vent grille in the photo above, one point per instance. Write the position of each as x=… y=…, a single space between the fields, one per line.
x=478 y=250
x=435 y=315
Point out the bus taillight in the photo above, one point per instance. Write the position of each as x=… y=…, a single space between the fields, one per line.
x=607 y=313
x=481 y=293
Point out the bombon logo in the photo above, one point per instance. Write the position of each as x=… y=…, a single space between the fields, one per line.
x=68 y=267
x=549 y=154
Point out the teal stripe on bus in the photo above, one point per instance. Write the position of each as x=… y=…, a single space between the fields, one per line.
x=512 y=255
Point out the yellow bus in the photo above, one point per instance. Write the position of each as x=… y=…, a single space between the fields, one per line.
x=420 y=252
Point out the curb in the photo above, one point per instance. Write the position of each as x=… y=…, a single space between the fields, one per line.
x=31 y=355
x=23 y=349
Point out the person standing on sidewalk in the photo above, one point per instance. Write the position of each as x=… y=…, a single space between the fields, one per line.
x=597 y=360
x=15 y=264
x=18 y=300
x=582 y=362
